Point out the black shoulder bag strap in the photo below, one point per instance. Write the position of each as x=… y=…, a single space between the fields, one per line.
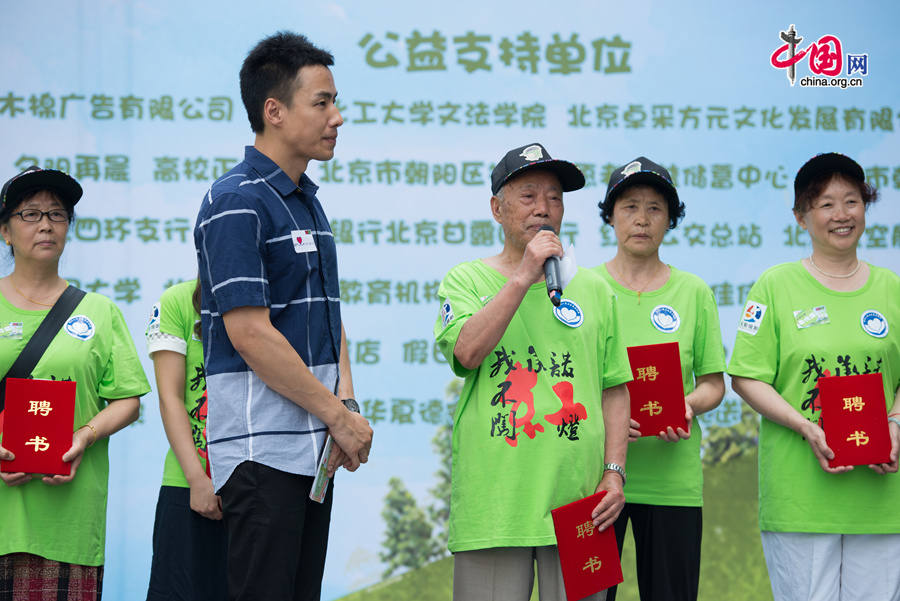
x=37 y=345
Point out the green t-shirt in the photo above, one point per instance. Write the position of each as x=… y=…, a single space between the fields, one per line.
x=171 y=328
x=659 y=472
x=528 y=432
x=68 y=523
x=851 y=333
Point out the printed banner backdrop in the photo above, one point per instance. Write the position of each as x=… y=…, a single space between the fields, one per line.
x=140 y=101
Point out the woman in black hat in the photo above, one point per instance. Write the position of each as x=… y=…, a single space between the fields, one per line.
x=827 y=532
x=658 y=303
x=54 y=527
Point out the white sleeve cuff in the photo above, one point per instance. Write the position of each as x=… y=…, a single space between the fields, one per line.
x=160 y=341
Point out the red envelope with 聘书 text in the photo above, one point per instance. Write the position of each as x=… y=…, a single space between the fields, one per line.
x=37 y=426
x=656 y=392
x=589 y=559
x=854 y=417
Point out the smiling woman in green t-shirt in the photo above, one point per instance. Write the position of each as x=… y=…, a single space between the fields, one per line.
x=658 y=303
x=53 y=529
x=827 y=533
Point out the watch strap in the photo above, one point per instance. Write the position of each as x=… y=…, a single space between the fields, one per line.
x=615 y=467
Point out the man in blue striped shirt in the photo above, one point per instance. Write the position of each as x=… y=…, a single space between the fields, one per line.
x=277 y=366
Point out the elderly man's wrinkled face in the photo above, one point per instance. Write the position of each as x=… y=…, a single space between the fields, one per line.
x=526 y=203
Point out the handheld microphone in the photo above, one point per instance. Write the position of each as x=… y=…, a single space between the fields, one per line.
x=551 y=274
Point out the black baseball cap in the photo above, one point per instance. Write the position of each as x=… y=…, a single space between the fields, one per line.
x=641 y=171
x=828 y=162
x=535 y=156
x=35 y=178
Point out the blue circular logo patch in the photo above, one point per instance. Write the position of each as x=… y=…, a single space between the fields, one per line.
x=665 y=318
x=569 y=313
x=79 y=326
x=874 y=323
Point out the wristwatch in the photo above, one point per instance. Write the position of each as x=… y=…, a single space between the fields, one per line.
x=615 y=467
x=351 y=405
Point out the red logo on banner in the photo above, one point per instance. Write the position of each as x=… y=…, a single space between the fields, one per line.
x=825 y=58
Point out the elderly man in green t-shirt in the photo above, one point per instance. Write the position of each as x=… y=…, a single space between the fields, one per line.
x=543 y=416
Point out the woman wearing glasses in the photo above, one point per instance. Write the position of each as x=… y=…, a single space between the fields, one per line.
x=54 y=527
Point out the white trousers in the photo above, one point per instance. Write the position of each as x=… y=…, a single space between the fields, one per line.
x=833 y=567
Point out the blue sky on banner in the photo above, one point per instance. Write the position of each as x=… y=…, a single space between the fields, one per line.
x=696 y=91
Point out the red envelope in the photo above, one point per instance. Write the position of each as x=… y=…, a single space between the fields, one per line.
x=854 y=417
x=37 y=428
x=589 y=559
x=657 y=393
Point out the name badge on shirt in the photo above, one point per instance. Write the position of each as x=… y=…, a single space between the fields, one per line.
x=304 y=241
x=11 y=330
x=807 y=318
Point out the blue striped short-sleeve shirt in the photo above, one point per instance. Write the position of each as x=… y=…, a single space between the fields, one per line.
x=262 y=241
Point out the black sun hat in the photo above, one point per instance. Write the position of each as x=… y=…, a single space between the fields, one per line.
x=641 y=171
x=535 y=156
x=35 y=178
x=827 y=162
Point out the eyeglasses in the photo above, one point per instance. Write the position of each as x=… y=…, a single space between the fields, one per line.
x=33 y=215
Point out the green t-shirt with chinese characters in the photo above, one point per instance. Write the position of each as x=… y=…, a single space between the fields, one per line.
x=683 y=310
x=67 y=523
x=793 y=331
x=528 y=432
x=171 y=328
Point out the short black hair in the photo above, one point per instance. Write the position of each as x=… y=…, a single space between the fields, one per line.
x=816 y=186
x=676 y=207
x=269 y=71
